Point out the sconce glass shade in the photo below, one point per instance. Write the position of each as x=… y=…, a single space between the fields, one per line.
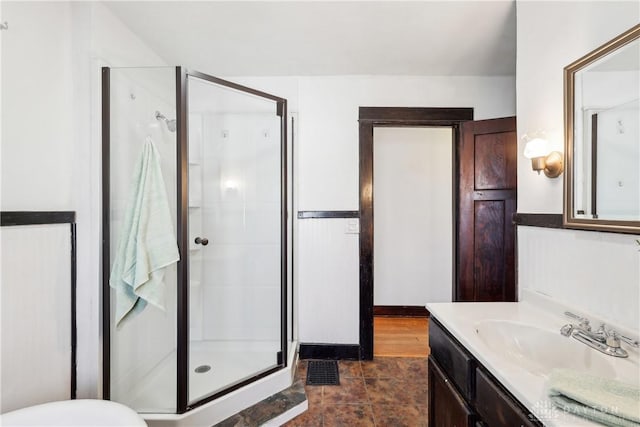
x=536 y=147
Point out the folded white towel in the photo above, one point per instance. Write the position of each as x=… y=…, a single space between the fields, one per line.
x=147 y=242
x=606 y=401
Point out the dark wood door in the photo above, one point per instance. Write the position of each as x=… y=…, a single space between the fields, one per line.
x=486 y=203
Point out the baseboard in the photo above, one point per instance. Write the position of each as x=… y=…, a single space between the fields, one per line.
x=400 y=310
x=329 y=351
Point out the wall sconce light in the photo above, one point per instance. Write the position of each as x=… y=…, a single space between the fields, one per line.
x=542 y=159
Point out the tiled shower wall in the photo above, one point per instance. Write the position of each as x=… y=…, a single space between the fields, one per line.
x=240 y=281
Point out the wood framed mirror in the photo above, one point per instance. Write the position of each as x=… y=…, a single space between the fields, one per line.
x=602 y=137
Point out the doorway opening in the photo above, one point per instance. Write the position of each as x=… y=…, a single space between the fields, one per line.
x=396 y=117
x=413 y=257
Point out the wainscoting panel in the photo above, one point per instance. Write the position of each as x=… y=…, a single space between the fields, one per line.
x=36 y=315
x=327 y=265
x=598 y=273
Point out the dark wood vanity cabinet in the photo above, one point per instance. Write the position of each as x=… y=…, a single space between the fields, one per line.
x=462 y=393
x=446 y=405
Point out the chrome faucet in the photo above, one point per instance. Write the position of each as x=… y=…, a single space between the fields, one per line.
x=603 y=339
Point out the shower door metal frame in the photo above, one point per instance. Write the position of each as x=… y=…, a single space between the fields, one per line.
x=182 y=218
x=182 y=97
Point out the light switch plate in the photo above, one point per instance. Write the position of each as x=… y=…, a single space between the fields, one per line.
x=353 y=227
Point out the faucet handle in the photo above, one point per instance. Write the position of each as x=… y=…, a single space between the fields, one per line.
x=584 y=322
x=630 y=341
x=604 y=331
x=613 y=338
x=573 y=316
x=566 y=330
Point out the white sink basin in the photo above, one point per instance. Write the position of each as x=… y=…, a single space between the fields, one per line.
x=540 y=350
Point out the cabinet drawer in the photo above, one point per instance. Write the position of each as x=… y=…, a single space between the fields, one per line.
x=496 y=407
x=446 y=407
x=454 y=360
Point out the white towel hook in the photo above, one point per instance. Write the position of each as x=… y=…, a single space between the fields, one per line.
x=4 y=26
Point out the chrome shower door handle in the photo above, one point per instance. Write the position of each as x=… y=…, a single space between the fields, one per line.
x=201 y=241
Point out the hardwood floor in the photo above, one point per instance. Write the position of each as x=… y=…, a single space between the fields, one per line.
x=400 y=336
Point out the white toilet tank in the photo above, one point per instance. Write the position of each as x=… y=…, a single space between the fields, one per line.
x=74 y=413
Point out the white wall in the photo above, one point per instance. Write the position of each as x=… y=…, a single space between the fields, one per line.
x=51 y=158
x=571 y=29
x=602 y=261
x=329 y=123
x=413 y=215
x=326 y=176
x=326 y=156
x=37 y=165
x=327 y=179
x=37 y=107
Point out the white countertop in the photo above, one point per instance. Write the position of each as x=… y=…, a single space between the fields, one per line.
x=461 y=319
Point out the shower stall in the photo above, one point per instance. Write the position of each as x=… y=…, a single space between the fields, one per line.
x=225 y=319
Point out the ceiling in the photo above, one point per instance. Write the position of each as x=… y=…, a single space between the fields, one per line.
x=310 y=38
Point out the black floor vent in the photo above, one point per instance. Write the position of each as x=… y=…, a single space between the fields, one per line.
x=323 y=372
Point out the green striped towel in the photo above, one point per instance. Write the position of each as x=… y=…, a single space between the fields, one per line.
x=147 y=242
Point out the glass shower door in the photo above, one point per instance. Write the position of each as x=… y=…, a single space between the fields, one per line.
x=235 y=224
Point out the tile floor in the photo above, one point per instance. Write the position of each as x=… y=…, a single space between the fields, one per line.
x=387 y=391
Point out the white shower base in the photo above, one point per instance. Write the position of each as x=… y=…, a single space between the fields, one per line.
x=230 y=362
